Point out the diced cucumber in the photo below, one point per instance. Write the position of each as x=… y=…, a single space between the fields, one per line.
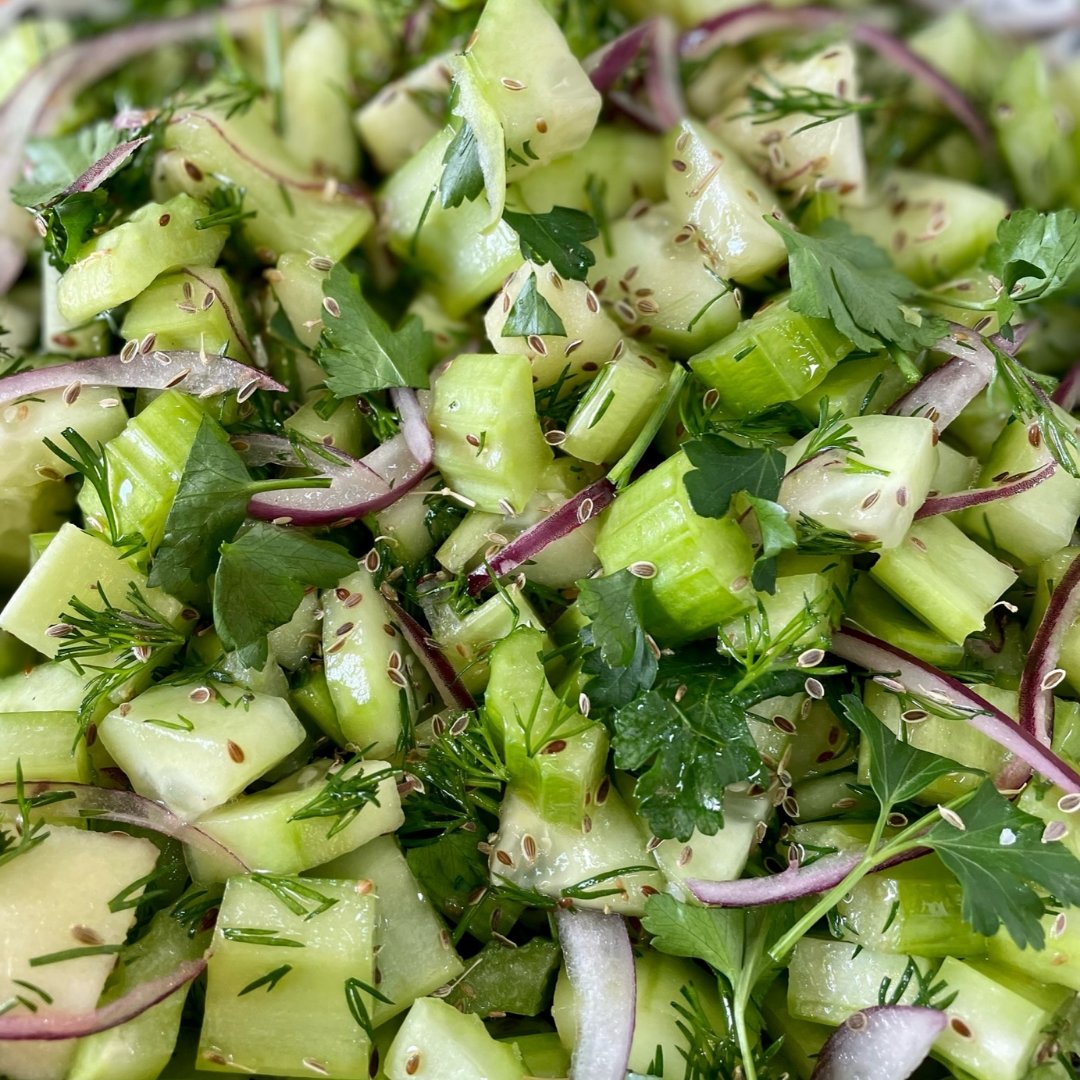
x=687 y=305
x=396 y=122
x=76 y=564
x=952 y=739
x=63 y=336
x=861 y=384
x=364 y=660
x=615 y=408
x=121 y=263
x=660 y=980
x=620 y=165
x=591 y=338
x=713 y=189
x=61 y=884
x=830 y=980
x=871 y=491
x=97 y=415
x=794 y=153
x=943 y=577
x=1036 y=523
x=310 y=697
x=42 y=688
x=912 y=909
x=994 y=1028
x=139 y=1049
x=45 y=745
x=404 y=524
x=820 y=744
x=1056 y=963
x=294 y=211
x=315 y=78
x=292 y=643
x=536 y=854
x=555 y=756
x=802 y=1040
x=267 y=833
x=304 y=1018
x=25 y=511
x=541 y=95
x=465 y=263
x=776 y=356
x=955 y=472
x=932 y=227
x=194 y=746
x=298 y=287
x=543 y=1054
x=822 y=797
x=413 y=954
x=488 y=443
x=519 y=980
x=16 y=658
x=956 y=43
x=195 y=309
x=702 y=564
x=343 y=428
x=437 y=1042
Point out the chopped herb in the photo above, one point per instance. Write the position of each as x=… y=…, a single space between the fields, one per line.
x=226 y=205
x=75 y=954
x=778 y=101
x=462 y=178
x=299 y=898
x=269 y=980
x=558 y=237
x=248 y=935
x=532 y=314
x=25 y=834
x=344 y=794
x=354 y=991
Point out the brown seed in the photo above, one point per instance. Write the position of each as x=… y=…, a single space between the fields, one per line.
x=193 y=171
x=235 y=752
x=504 y=857
x=87 y=935
x=556 y=746
x=960 y=1027
x=412 y=1063
x=512 y=84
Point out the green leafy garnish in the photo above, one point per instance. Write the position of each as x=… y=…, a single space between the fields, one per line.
x=462 y=178
x=778 y=101
x=261 y=580
x=559 y=237
x=54 y=164
x=359 y=351
x=846 y=278
x=344 y=794
x=269 y=980
x=532 y=314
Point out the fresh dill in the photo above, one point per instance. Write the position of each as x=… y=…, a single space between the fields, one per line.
x=777 y=101
x=21 y=835
x=344 y=794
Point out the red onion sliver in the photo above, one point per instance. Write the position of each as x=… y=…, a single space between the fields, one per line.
x=790 y=884
x=663 y=81
x=608 y=62
x=919 y=677
x=1036 y=698
x=107 y=165
x=600 y=965
x=745 y=23
x=414 y=424
x=1067 y=393
x=195 y=373
x=445 y=678
x=883 y=1042
x=124 y=808
x=963 y=500
x=58 y=1025
x=562 y=521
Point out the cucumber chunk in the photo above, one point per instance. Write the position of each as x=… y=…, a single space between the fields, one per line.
x=304 y=1019
x=501 y=980
x=45 y=745
x=194 y=747
x=121 y=263
x=24 y=512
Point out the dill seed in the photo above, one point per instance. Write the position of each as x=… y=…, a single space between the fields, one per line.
x=212 y=391
x=372 y=561
x=844 y=804
x=71 y=393
x=397 y=678
x=790 y=806
x=541 y=125
x=316 y=1066
x=856 y=1022
x=602 y=791
x=896 y=820
x=583 y=704
x=281 y=521
x=536 y=343
x=1053 y=678
x=960 y=1027
x=87 y=935
x=504 y=857
x=127 y=353
x=810 y=658
x=235 y=752
x=460 y=725
x=201 y=695
x=147 y=344
x=1069 y=804
x=108 y=403
x=507 y=507
x=141 y=653
x=573 y=346
x=247 y=390
x=1054 y=831
x=388 y=630
x=528 y=848
x=952 y=818
x=331 y=307
x=914 y=716
x=586 y=824
x=472 y=440
x=685 y=855
x=1059 y=925
x=60 y=629
x=556 y=746
x=782 y=723
x=412 y=1063
x=643 y=569
x=321 y=263
x=512 y=84
x=814 y=689
x=890 y=684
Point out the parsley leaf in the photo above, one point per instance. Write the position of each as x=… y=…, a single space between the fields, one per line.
x=55 y=164
x=620 y=661
x=846 y=278
x=558 y=237
x=721 y=468
x=1035 y=255
x=898 y=771
x=359 y=351
x=996 y=857
x=462 y=177
x=692 y=739
x=261 y=580
x=715 y=935
x=209 y=506
x=776 y=535
x=532 y=314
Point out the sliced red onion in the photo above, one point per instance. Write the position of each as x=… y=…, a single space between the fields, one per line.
x=919 y=677
x=963 y=500
x=50 y=1026
x=600 y=965
x=609 y=61
x=47 y=91
x=663 y=80
x=744 y=23
x=201 y=374
x=104 y=167
x=883 y=1042
x=790 y=884
x=562 y=521
x=641 y=113
x=450 y=688
x=1041 y=673
x=124 y=808
x=1067 y=392
x=357 y=487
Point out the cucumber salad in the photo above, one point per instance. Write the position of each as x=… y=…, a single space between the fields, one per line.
x=538 y=539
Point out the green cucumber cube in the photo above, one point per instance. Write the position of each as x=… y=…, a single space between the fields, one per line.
x=119 y=264
x=501 y=980
x=1058 y=963
x=943 y=577
x=273 y=832
x=46 y=745
x=298 y=287
x=414 y=955
x=857 y=385
x=194 y=747
x=775 y=356
x=437 y=1042
x=702 y=564
x=871 y=491
x=820 y=743
x=488 y=442
x=302 y=1025
x=24 y=513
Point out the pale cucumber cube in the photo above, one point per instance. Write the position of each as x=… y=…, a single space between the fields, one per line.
x=194 y=747
x=414 y=955
x=25 y=511
x=299 y=290
x=64 y=884
x=45 y=744
x=436 y=1042
x=303 y=1026
x=42 y=688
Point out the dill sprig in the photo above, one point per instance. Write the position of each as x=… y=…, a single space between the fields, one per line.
x=344 y=794
x=226 y=204
x=832 y=433
x=777 y=102
x=22 y=834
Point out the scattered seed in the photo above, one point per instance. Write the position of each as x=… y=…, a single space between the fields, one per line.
x=960 y=1027
x=1054 y=831
x=316 y=1066
x=1053 y=678
x=914 y=716
x=1069 y=804
x=235 y=752
x=643 y=569
x=810 y=658
x=896 y=820
x=128 y=352
x=814 y=689
x=512 y=84
x=504 y=857
x=584 y=704
x=247 y=390
x=890 y=684
x=1058 y=927
x=201 y=695
x=320 y=263
x=856 y=1022
x=782 y=723
x=790 y=805
x=556 y=746
x=528 y=848
x=147 y=344
x=331 y=307
x=952 y=818
x=372 y=561
x=685 y=855
x=87 y=935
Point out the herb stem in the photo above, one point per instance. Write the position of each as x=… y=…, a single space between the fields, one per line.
x=256 y=487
